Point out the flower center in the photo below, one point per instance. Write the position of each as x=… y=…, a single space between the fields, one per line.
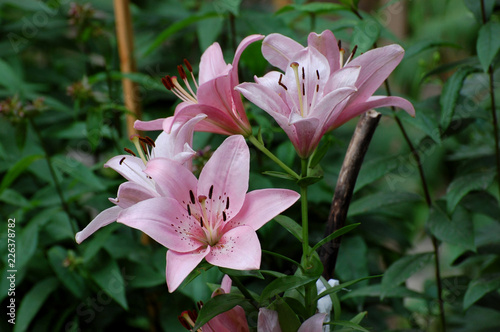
x=172 y=84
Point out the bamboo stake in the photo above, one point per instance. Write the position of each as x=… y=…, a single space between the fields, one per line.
x=125 y=36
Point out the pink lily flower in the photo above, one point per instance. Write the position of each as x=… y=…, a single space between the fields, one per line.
x=175 y=145
x=215 y=95
x=318 y=92
x=268 y=322
x=211 y=218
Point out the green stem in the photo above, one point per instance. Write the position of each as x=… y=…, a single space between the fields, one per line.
x=53 y=175
x=271 y=156
x=305 y=220
x=244 y=291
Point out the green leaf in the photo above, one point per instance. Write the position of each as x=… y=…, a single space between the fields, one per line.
x=375 y=169
x=480 y=287
x=365 y=34
x=94 y=124
x=175 y=27
x=426 y=44
x=242 y=273
x=26 y=244
x=106 y=273
x=320 y=152
x=482 y=202
x=33 y=301
x=209 y=30
x=290 y=225
x=69 y=278
x=341 y=286
x=450 y=94
x=312 y=8
x=17 y=169
x=379 y=200
x=359 y=317
x=475 y=7
x=78 y=171
x=280 y=175
x=283 y=284
x=351 y=325
x=457 y=230
x=462 y=185
x=217 y=305
x=402 y=269
x=488 y=43
x=376 y=291
x=224 y=6
x=287 y=318
x=335 y=234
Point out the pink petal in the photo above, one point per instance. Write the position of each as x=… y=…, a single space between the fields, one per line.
x=238 y=249
x=226 y=284
x=241 y=47
x=104 y=218
x=165 y=221
x=372 y=102
x=131 y=168
x=268 y=321
x=226 y=174
x=279 y=50
x=180 y=265
x=345 y=77
x=172 y=179
x=212 y=64
x=338 y=99
x=233 y=320
x=261 y=206
x=265 y=98
x=309 y=132
x=326 y=43
x=313 y=324
x=130 y=193
x=376 y=65
x=149 y=125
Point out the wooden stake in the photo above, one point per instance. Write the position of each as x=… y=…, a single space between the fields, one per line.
x=125 y=36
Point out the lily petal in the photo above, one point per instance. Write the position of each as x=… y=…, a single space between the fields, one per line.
x=268 y=321
x=238 y=249
x=130 y=193
x=180 y=265
x=313 y=324
x=326 y=43
x=226 y=174
x=165 y=221
x=104 y=218
x=261 y=206
x=212 y=64
x=148 y=125
x=131 y=168
x=278 y=50
x=372 y=102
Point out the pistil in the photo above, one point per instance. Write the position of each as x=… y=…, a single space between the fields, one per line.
x=295 y=67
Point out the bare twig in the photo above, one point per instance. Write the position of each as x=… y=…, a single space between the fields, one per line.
x=345 y=187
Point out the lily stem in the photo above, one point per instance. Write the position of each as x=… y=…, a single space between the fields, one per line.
x=245 y=291
x=305 y=220
x=271 y=156
x=57 y=186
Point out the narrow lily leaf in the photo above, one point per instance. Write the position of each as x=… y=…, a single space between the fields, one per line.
x=241 y=273
x=33 y=301
x=426 y=44
x=335 y=234
x=16 y=170
x=376 y=291
x=280 y=175
x=217 y=305
x=286 y=316
x=488 y=43
x=457 y=230
x=349 y=324
x=376 y=201
x=402 y=269
x=69 y=278
x=463 y=185
x=450 y=94
x=343 y=285
x=375 y=169
x=290 y=225
x=479 y=288
x=359 y=317
x=78 y=171
x=312 y=8
x=365 y=34
x=173 y=28
x=282 y=257
x=106 y=273
x=283 y=284
x=475 y=7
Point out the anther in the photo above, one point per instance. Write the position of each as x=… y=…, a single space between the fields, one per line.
x=224 y=215
x=303 y=74
x=303 y=89
x=201 y=221
x=181 y=71
x=151 y=142
x=211 y=191
x=166 y=83
x=191 y=196
x=129 y=151
x=146 y=140
x=188 y=65
x=281 y=84
x=317 y=74
x=189 y=210
x=227 y=203
x=121 y=161
x=339 y=44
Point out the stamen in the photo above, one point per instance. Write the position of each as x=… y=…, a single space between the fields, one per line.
x=181 y=71
x=166 y=83
x=181 y=90
x=191 y=196
x=189 y=210
x=295 y=67
x=224 y=215
x=151 y=142
x=201 y=222
x=188 y=65
x=317 y=74
x=139 y=147
x=129 y=151
x=227 y=203
x=121 y=161
x=211 y=191
x=352 y=54
x=339 y=44
x=341 y=57
x=281 y=84
x=145 y=140
x=303 y=74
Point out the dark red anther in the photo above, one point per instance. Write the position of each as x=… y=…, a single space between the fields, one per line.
x=227 y=203
x=151 y=142
x=188 y=65
x=201 y=221
x=167 y=83
x=129 y=151
x=354 y=51
x=224 y=217
x=317 y=74
x=189 y=209
x=303 y=74
x=211 y=191
x=281 y=84
x=191 y=196
x=339 y=44
x=121 y=160
x=184 y=323
x=181 y=71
